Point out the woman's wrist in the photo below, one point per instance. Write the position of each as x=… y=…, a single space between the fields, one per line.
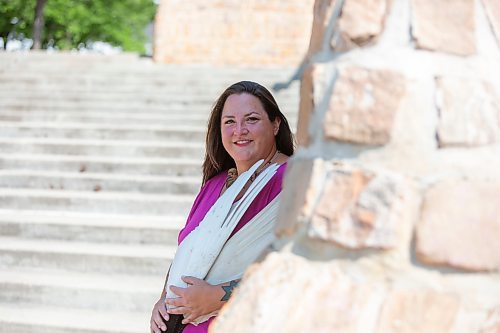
x=228 y=288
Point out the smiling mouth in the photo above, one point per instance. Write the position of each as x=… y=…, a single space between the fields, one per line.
x=242 y=142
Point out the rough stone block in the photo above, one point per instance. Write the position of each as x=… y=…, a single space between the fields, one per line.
x=492 y=8
x=232 y=32
x=363 y=106
x=294 y=197
x=469 y=112
x=460 y=226
x=358 y=208
x=492 y=329
x=360 y=23
x=492 y=324
x=444 y=26
x=286 y=293
x=323 y=14
x=418 y=311
x=306 y=106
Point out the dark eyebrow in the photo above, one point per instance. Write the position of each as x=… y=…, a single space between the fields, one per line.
x=246 y=115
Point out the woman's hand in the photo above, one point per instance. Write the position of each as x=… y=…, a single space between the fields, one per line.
x=156 y=323
x=198 y=299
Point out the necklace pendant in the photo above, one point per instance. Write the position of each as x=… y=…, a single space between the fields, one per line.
x=232 y=174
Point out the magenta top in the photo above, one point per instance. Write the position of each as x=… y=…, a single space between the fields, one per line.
x=208 y=195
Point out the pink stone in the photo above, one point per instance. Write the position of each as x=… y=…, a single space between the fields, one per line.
x=359 y=209
x=363 y=106
x=469 y=112
x=361 y=22
x=460 y=226
x=444 y=26
x=272 y=32
x=418 y=311
x=492 y=8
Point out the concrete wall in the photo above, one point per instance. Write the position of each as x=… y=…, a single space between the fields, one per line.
x=390 y=218
x=221 y=32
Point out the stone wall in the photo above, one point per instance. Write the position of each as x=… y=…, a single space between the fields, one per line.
x=390 y=215
x=222 y=32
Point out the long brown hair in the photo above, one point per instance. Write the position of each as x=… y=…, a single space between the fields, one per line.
x=216 y=156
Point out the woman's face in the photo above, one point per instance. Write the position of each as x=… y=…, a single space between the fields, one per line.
x=247 y=133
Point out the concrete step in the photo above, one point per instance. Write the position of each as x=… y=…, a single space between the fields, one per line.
x=91 y=228
x=23 y=84
x=70 y=56
x=105 y=109
x=103 y=164
x=50 y=86
x=174 y=107
x=102 y=147
x=16 y=103
x=102 y=131
x=100 y=292
x=144 y=98
x=98 y=182
x=95 y=202
x=119 y=118
x=123 y=118
x=163 y=94
x=208 y=76
x=82 y=64
x=77 y=58
x=168 y=109
x=141 y=71
x=136 y=72
x=31 y=318
x=150 y=117
x=85 y=257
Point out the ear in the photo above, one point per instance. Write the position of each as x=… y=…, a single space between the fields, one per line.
x=276 y=125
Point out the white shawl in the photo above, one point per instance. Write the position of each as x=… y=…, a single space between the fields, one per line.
x=206 y=253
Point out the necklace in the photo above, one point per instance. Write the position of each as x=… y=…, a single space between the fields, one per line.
x=232 y=174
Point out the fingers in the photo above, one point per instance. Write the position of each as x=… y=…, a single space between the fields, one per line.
x=175 y=301
x=156 y=324
x=180 y=310
x=189 y=318
x=177 y=290
x=163 y=311
x=190 y=280
x=154 y=328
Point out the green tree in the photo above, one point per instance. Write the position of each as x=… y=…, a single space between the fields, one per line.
x=16 y=17
x=38 y=24
x=70 y=23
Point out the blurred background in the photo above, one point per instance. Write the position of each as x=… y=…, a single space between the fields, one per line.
x=102 y=26
x=101 y=145
x=389 y=219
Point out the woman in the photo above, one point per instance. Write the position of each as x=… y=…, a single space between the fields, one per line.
x=245 y=126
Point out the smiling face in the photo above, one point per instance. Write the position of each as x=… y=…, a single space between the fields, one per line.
x=247 y=133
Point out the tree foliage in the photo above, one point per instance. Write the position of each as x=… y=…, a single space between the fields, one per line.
x=70 y=23
x=16 y=16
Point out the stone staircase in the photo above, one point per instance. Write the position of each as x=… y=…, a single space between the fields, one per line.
x=99 y=163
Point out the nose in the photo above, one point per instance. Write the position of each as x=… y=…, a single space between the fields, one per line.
x=240 y=129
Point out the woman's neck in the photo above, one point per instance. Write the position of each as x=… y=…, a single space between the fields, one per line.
x=242 y=166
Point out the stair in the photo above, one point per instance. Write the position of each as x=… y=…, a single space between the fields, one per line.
x=100 y=160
